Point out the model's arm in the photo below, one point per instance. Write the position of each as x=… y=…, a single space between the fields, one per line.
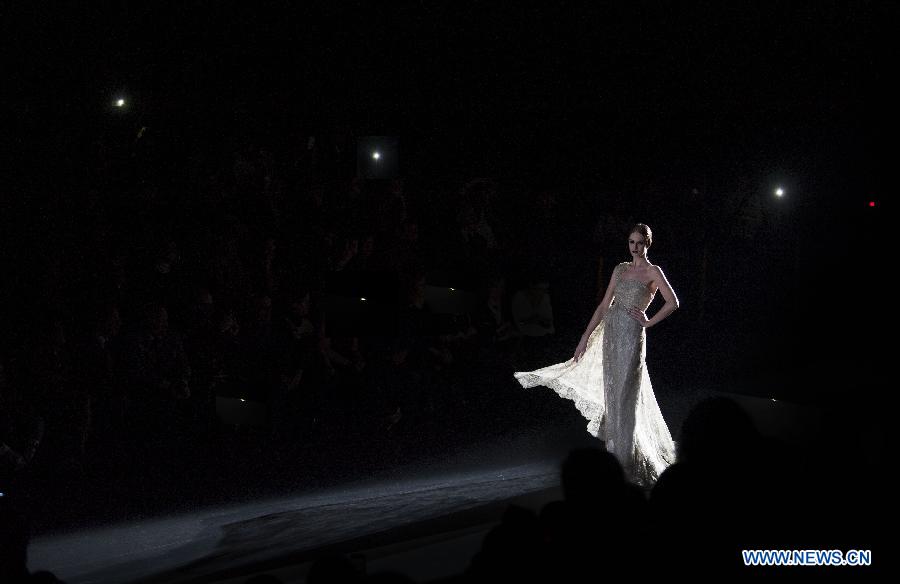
x=668 y=308
x=603 y=306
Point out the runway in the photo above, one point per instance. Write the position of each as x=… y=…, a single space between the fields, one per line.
x=215 y=543
x=448 y=497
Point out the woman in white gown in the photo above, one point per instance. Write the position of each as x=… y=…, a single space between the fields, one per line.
x=607 y=377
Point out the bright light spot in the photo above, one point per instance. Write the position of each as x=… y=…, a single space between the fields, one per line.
x=376 y=155
x=773 y=399
x=452 y=289
x=871 y=203
x=242 y=399
x=779 y=192
x=120 y=102
x=362 y=299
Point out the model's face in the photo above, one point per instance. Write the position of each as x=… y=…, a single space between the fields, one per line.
x=637 y=245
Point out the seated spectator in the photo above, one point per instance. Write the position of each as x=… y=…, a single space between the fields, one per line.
x=14 y=536
x=63 y=404
x=156 y=373
x=366 y=259
x=196 y=320
x=340 y=353
x=21 y=433
x=340 y=257
x=97 y=351
x=297 y=342
x=532 y=309
x=405 y=251
x=259 y=346
x=493 y=318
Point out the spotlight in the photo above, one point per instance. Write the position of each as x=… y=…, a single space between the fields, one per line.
x=120 y=102
x=779 y=192
x=378 y=157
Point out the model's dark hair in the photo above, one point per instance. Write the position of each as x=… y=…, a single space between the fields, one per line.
x=643 y=230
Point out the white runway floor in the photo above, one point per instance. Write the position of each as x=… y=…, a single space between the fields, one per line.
x=209 y=543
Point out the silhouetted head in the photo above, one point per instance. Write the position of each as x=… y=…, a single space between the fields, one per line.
x=44 y=577
x=333 y=568
x=588 y=473
x=14 y=536
x=538 y=281
x=264 y=579
x=389 y=577
x=717 y=430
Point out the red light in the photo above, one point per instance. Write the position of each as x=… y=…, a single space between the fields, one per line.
x=871 y=203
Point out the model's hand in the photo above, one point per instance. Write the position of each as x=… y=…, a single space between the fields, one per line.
x=580 y=349
x=638 y=315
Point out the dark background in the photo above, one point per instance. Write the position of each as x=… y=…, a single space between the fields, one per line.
x=685 y=117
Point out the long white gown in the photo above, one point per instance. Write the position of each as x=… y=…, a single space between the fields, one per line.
x=611 y=387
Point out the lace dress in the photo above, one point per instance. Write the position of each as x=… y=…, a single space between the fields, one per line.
x=611 y=387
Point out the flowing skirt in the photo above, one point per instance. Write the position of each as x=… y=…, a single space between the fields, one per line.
x=611 y=388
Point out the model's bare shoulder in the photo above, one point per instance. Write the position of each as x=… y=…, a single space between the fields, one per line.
x=662 y=284
x=658 y=271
